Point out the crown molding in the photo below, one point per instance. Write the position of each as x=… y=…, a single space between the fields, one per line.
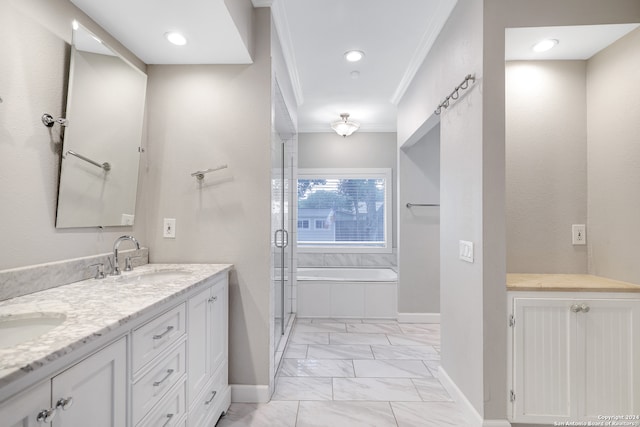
x=286 y=42
x=262 y=3
x=426 y=42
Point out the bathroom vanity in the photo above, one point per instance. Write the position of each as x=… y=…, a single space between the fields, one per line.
x=574 y=346
x=148 y=348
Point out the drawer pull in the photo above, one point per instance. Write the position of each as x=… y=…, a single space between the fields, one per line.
x=160 y=336
x=166 y=423
x=213 y=299
x=46 y=416
x=213 y=395
x=169 y=373
x=64 y=404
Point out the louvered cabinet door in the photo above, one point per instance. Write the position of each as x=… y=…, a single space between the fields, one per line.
x=544 y=345
x=608 y=363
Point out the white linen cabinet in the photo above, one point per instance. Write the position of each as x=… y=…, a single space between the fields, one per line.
x=573 y=357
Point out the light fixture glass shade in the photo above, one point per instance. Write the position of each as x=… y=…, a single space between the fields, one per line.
x=345 y=127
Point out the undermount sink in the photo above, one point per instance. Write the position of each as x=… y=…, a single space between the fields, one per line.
x=18 y=328
x=155 y=275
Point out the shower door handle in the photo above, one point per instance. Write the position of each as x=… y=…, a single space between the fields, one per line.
x=279 y=242
x=285 y=242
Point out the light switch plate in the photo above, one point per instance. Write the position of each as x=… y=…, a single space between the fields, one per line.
x=466 y=251
x=169 y=228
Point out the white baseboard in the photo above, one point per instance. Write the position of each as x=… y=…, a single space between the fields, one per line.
x=470 y=413
x=418 y=317
x=250 y=393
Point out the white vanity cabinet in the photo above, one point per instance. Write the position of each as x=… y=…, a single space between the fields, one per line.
x=207 y=384
x=90 y=392
x=573 y=356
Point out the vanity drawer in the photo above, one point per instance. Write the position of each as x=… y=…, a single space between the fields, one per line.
x=207 y=407
x=155 y=336
x=153 y=385
x=170 y=411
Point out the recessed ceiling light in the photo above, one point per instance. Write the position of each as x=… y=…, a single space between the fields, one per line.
x=354 y=55
x=176 y=38
x=545 y=45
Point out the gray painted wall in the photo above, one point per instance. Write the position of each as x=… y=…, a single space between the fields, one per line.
x=419 y=227
x=35 y=51
x=546 y=165
x=456 y=53
x=498 y=15
x=360 y=150
x=613 y=158
x=201 y=116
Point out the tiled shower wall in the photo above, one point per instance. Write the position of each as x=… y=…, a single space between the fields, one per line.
x=307 y=259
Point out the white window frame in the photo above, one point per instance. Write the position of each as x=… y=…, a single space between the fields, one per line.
x=355 y=173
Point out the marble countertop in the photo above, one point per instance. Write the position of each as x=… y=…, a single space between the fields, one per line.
x=567 y=283
x=93 y=308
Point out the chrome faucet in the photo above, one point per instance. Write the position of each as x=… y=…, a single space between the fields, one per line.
x=116 y=266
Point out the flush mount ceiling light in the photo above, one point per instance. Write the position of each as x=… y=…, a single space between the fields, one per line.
x=175 y=38
x=354 y=55
x=345 y=127
x=545 y=45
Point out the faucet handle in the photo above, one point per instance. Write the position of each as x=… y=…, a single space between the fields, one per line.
x=128 y=265
x=99 y=271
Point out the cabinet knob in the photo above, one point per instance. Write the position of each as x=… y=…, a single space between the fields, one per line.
x=64 y=404
x=575 y=308
x=46 y=416
x=585 y=308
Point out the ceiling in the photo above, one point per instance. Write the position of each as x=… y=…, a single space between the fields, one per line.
x=394 y=35
x=578 y=42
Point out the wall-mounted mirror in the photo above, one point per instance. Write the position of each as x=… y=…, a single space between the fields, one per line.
x=101 y=149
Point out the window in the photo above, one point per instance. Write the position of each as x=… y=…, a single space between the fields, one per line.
x=349 y=209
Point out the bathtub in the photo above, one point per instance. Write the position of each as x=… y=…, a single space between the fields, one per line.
x=367 y=293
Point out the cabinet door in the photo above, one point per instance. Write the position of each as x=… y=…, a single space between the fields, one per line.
x=97 y=389
x=199 y=341
x=609 y=340
x=219 y=322
x=23 y=410
x=543 y=347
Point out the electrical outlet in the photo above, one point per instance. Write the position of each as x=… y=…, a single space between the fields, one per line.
x=466 y=251
x=579 y=234
x=169 y=228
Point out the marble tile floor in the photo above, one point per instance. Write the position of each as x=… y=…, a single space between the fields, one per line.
x=352 y=373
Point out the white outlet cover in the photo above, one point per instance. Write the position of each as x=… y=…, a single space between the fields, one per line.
x=466 y=251
x=578 y=234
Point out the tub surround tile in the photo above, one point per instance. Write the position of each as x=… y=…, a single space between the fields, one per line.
x=309 y=338
x=322 y=327
x=431 y=339
x=433 y=366
x=335 y=320
x=21 y=281
x=340 y=352
x=92 y=308
x=391 y=369
x=373 y=320
x=303 y=388
x=352 y=414
x=274 y=413
x=428 y=414
x=375 y=389
x=316 y=368
x=354 y=338
x=414 y=352
x=374 y=328
x=431 y=390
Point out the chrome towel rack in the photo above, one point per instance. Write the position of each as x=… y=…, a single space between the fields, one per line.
x=455 y=94
x=200 y=174
x=410 y=205
x=106 y=166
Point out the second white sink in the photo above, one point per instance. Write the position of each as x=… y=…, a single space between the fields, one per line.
x=19 y=328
